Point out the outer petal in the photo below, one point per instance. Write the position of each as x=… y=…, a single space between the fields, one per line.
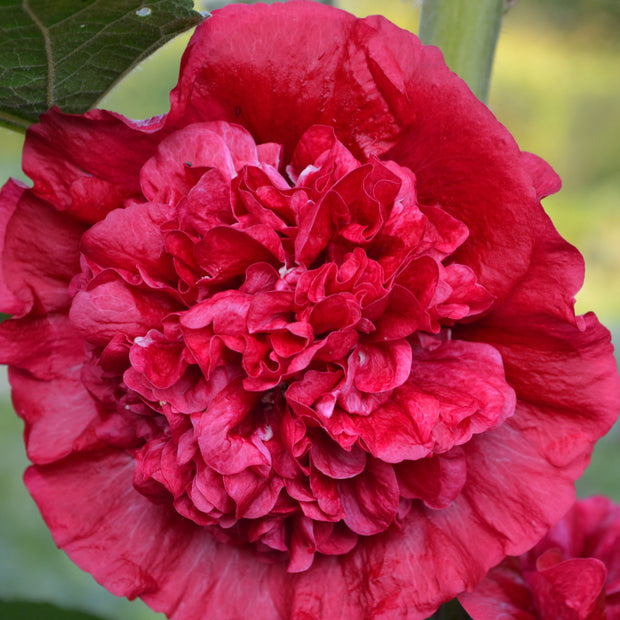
x=561 y=368
x=40 y=255
x=109 y=530
x=10 y=194
x=46 y=360
x=89 y=163
x=449 y=135
x=567 y=386
x=545 y=179
x=45 y=347
x=54 y=430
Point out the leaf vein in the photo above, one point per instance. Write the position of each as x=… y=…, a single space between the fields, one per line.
x=48 y=51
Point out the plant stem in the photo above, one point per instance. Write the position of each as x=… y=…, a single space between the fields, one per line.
x=466 y=31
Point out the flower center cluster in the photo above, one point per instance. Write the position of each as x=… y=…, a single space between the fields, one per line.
x=272 y=343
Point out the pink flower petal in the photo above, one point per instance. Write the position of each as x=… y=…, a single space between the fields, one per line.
x=380 y=367
x=363 y=114
x=138 y=248
x=371 y=499
x=10 y=195
x=572 y=589
x=110 y=306
x=436 y=480
x=88 y=164
x=40 y=254
x=333 y=461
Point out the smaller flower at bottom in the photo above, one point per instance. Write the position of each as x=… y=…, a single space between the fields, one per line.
x=573 y=573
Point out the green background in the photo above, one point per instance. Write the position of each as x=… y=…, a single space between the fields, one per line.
x=555 y=86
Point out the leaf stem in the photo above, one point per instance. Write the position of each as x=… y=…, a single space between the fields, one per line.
x=16 y=123
x=467 y=32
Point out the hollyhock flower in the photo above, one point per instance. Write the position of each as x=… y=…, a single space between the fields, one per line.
x=573 y=573
x=305 y=346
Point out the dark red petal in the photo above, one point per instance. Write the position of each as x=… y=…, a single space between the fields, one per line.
x=88 y=163
x=46 y=347
x=334 y=538
x=10 y=195
x=545 y=179
x=303 y=546
x=40 y=255
x=166 y=177
x=402 y=316
x=325 y=489
x=453 y=392
x=303 y=82
x=107 y=528
x=553 y=279
x=270 y=311
x=436 y=480
x=370 y=500
x=380 y=367
x=317 y=226
x=571 y=590
x=160 y=360
x=329 y=458
x=335 y=312
x=55 y=431
x=110 y=306
x=503 y=591
x=254 y=494
x=221 y=446
x=131 y=241
x=566 y=381
x=208 y=204
x=320 y=159
x=226 y=252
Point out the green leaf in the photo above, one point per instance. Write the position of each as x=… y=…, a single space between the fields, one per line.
x=25 y=610
x=69 y=53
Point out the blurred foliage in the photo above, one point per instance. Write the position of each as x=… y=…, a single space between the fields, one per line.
x=572 y=13
x=22 y=610
x=555 y=86
x=558 y=92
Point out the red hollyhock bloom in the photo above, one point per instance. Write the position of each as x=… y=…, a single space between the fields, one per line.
x=304 y=347
x=572 y=574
